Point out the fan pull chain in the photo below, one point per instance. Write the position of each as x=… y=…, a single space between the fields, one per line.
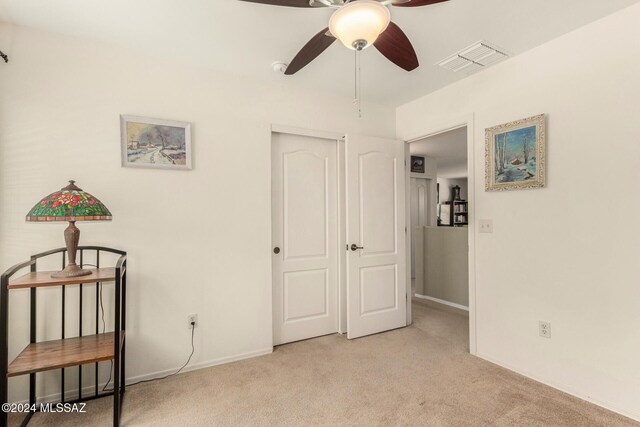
x=355 y=77
x=357 y=83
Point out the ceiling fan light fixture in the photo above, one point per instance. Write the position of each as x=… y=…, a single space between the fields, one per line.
x=358 y=24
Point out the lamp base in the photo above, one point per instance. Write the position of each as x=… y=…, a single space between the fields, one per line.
x=71 y=238
x=71 y=270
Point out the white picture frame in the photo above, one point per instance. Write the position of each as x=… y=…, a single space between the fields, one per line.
x=155 y=143
x=445 y=214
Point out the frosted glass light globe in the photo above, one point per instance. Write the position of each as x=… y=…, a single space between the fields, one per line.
x=358 y=24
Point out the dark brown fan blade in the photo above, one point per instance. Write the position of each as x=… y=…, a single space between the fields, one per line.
x=395 y=45
x=289 y=3
x=318 y=44
x=416 y=3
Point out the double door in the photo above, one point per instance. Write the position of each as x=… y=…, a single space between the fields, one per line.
x=337 y=215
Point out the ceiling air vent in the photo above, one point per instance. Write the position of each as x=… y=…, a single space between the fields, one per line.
x=474 y=58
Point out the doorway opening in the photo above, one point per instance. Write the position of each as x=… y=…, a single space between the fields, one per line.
x=440 y=214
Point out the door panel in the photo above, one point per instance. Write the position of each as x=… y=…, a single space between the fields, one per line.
x=378 y=289
x=305 y=211
x=305 y=218
x=306 y=295
x=376 y=273
x=420 y=212
x=377 y=194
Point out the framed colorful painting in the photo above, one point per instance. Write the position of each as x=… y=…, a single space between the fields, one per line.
x=155 y=143
x=515 y=155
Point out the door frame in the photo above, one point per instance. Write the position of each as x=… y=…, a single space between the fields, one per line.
x=339 y=138
x=431 y=129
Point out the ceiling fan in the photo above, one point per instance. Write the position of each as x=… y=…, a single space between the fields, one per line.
x=358 y=24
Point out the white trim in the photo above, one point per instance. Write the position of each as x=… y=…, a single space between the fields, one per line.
x=268 y=216
x=203 y=365
x=436 y=129
x=562 y=387
x=471 y=207
x=88 y=391
x=275 y=128
x=407 y=231
x=342 y=238
x=443 y=302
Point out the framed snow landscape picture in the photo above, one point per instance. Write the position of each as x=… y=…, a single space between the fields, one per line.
x=515 y=155
x=155 y=143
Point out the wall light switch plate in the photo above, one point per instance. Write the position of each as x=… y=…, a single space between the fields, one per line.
x=545 y=329
x=486 y=226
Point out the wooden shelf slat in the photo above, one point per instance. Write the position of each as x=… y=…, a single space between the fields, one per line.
x=43 y=278
x=48 y=355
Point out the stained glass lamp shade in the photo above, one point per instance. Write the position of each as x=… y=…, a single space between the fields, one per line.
x=70 y=204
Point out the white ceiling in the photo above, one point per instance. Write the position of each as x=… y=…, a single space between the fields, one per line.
x=449 y=149
x=245 y=38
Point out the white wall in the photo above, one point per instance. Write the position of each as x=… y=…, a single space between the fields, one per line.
x=198 y=241
x=430 y=167
x=562 y=254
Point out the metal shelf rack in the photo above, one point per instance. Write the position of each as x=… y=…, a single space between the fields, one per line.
x=41 y=356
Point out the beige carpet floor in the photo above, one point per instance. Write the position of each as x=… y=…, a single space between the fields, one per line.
x=419 y=375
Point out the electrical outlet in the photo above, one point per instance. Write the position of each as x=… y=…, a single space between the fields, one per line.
x=486 y=226
x=545 y=329
x=192 y=318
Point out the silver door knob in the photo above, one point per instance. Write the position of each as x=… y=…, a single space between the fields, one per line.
x=355 y=247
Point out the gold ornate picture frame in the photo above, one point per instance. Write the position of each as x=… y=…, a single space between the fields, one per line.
x=515 y=155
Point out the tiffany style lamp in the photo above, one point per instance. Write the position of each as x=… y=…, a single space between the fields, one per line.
x=70 y=204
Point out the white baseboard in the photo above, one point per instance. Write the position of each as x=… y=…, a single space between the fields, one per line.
x=563 y=388
x=203 y=365
x=441 y=301
x=89 y=391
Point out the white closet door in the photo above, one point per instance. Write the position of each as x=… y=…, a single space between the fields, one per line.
x=305 y=237
x=376 y=235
